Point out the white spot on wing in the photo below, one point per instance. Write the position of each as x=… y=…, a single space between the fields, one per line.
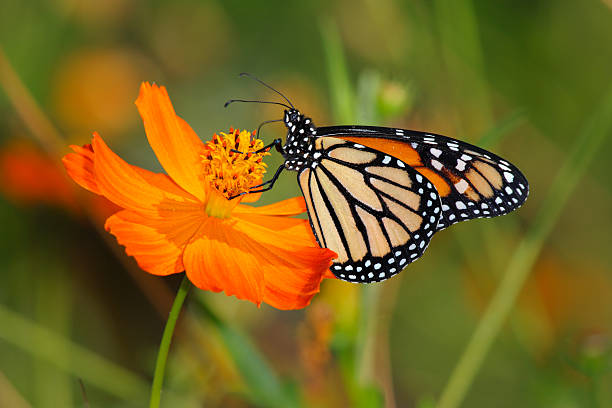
x=461 y=186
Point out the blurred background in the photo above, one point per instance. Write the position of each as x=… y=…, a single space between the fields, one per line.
x=530 y=80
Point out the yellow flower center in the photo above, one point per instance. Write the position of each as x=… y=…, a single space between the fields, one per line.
x=229 y=172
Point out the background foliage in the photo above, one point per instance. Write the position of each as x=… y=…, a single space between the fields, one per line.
x=527 y=79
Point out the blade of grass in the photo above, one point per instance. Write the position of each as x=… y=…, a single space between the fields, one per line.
x=590 y=139
x=457 y=25
x=26 y=107
x=46 y=345
x=494 y=135
x=265 y=387
x=53 y=294
x=342 y=94
x=368 y=87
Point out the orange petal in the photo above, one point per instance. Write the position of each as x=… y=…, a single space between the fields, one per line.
x=80 y=167
x=251 y=198
x=279 y=232
x=220 y=259
x=291 y=206
x=293 y=283
x=174 y=142
x=285 y=275
x=292 y=262
x=157 y=244
x=133 y=189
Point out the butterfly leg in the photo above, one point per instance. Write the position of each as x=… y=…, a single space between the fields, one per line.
x=276 y=143
x=269 y=184
x=258 y=133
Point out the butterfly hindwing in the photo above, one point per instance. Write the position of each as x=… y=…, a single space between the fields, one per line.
x=471 y=182
x=375 y=211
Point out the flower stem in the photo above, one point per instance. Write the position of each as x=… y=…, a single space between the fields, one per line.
x=162 y=354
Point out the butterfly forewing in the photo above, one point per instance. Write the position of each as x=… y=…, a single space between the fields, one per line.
x=375 y=211
x=471 y=182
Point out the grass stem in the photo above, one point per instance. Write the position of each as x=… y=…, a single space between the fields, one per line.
x=521 y=263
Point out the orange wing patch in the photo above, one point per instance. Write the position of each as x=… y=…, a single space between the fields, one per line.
x=437 y=180
x=398 y=149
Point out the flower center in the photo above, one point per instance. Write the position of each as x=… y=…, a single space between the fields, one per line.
x=229 y=172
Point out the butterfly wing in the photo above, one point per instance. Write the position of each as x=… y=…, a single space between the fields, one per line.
x=471 y=181
x=377 y=213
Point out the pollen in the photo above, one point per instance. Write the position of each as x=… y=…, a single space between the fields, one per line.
x=230 y=163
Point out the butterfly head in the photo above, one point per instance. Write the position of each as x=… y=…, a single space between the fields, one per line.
x=292 y=117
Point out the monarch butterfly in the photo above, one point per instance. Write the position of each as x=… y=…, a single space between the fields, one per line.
x=376 y=195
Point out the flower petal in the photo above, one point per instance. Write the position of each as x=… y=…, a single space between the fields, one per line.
x=251 y=198
x=80 y=167
x=133 y=189
x=174 y=142
x=292 y=263
x=157 y=244
x=291 y=206
x=293 y=286
x=220 y=259
x=280 y=232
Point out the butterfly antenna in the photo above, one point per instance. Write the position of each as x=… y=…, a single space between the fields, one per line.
x=246 y=74
x=255 y=101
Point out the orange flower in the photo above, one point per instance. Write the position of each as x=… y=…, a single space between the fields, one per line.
x=184 y=221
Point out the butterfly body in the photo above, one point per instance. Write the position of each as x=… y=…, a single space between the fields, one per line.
x=299 y=143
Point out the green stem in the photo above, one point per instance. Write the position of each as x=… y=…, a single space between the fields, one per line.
x=162 y=354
